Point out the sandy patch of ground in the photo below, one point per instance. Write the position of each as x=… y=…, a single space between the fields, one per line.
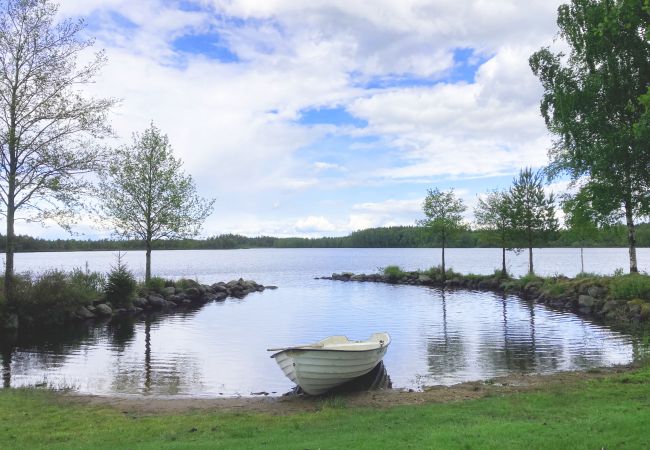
x=372 y=399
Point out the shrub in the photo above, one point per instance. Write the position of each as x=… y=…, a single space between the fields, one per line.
x=121 y=285
x=393 y=272
x=156 y=284
x=630 y=286
x=435 y=273
x=54 y=296
x=186 y=283
x=586 y=275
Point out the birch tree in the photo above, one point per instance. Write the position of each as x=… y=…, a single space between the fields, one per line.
x=595 y=103
x=444 y=217
x=146 y=195
x=48 y=128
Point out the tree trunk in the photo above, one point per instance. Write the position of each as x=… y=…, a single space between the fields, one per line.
x=147 y=272
x=503 y=262
x=631 y=237
x=531 y=270
x=444 y=272
x=582 y=260
x=9 y=252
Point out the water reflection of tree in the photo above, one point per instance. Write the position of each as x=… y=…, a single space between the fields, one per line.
x=446 y=353
x=39 y=349
x=516 y=349
x=6 y=352
x=168 y=374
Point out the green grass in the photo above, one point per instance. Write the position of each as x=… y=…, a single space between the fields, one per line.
x=630 y=286
x=607 y=413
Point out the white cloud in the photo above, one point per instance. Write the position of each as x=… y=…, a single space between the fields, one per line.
x=314 y=224
x=237 y=126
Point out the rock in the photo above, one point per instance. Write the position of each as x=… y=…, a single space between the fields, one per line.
x=91 y=308
x=103 y=310
x=610 y=306
x=157 y=302
x=169 y=291
x=170 y=304
x=140 y=302
x=83 y=313
x=220 y=296
x=270 y=287
x=219 y=287
x=597 y=291
x=424 y=279
x=359 y=277
x=586 y=301
x=192 y=293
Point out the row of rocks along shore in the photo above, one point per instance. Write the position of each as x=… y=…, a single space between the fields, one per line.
x=190 y=294
x=588 y=297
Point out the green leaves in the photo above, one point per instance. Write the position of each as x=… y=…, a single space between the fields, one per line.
x=146 y=195
x=444 y=212
x=595 y=103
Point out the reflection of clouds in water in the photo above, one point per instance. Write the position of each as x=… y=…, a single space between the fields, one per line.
x=221 y=348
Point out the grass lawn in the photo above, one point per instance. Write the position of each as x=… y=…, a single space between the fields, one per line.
x=611 y=412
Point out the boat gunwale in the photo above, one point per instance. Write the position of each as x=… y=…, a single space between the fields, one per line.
x=307 y=348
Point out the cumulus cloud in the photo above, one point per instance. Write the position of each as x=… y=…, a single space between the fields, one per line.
x=392 y=65
x=314 y=224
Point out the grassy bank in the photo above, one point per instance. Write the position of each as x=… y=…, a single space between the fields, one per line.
x=610 y=412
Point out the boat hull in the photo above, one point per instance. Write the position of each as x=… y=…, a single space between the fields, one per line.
x=318 y=371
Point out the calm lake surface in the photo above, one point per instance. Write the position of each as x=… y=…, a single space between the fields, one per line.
x=220 y=350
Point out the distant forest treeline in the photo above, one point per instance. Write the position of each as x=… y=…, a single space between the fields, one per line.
x=389 y=237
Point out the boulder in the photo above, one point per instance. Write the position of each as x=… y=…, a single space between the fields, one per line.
x=157 y=301
x=610 y=306
x=192 y=293
x=219 y=287
x=168 y=291
x=220 y=296
x=270 y=287
x=140 y=302
x=83 y=313
x=170 y=304
x=103 y=310
x=597 y=291
x=424 y=279
x=586 y=301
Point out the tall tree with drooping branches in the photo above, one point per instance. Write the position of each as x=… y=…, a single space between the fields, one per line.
x=593 y=103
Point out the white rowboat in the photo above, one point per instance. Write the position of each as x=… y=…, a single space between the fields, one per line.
x=323 y=365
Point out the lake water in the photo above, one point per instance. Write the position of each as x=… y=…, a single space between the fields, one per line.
x=438 y=337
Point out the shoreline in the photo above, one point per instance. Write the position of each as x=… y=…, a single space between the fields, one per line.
x=383 y=398
x=592 y=297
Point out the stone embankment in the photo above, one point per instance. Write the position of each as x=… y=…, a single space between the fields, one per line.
x=590 y=297
x=189 y=294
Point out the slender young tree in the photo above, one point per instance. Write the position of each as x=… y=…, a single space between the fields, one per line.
x=593 y=103
x=493 y=214
x=581 y=225
x=47 y=126
x=444 y=217
x=146 y=195
x=533 y=212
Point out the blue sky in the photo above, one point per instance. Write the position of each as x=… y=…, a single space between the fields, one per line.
x=323 y=117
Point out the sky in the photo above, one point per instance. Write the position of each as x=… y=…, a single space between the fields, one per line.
x=321 y=117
